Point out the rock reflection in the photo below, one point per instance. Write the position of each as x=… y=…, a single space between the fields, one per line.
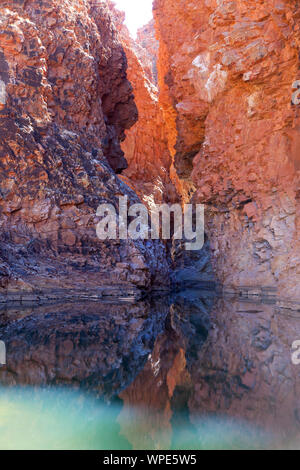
x=244 y=370
x=165 y=384
x=220 y=376
x=192 y=371
x=97 y=346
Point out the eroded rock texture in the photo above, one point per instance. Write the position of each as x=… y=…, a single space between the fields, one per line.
x=226 y=73
x=65 y=102
x=147 y=48
x=146 y=145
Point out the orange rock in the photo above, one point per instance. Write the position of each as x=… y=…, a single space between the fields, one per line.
x=65 y=103
x=250 y=210
x=226 y=72
x=146 y=145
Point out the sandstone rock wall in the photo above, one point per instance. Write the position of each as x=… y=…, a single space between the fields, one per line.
x=65 y=102
x=226 y=71
x=147 y=48
x=146 y=145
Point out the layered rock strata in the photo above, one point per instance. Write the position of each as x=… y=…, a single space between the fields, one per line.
x=146 y=145
x=226 y=71
x=65 y=102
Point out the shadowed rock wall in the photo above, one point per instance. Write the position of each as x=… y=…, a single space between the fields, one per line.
x=226 y=71
x=65 y=102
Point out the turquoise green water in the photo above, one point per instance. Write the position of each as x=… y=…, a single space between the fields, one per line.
x=61 y=419
x=57 y=419
x=191 y=372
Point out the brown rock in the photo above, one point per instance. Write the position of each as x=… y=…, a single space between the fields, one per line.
x=146 y=145
x=147 y=49
x=65 y=104
x=226 y=72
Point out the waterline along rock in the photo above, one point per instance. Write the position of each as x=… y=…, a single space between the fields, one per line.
x=226 y=71
x=65 y=103
x=198 y=109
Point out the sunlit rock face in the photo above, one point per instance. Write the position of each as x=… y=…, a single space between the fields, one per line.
x=147 y=48
x=146 y=145
x=226 y=71
x=65 y=102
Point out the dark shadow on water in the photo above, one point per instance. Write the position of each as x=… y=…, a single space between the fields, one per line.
x=99 y=347
x=188 y=370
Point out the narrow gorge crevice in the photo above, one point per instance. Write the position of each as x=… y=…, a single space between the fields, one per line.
x=150 y=150
x=82 y=105
x=65 y=105
x=209 y=121
x=125 y=342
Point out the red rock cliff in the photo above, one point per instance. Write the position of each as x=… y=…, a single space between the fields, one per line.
x=65 y=102
x=148 y=46
x=226 y=71
x=146 y=145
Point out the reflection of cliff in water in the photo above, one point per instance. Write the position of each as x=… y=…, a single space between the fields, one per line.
x=175 y=362
x=245 y=369
x=165 y=384
x=98 y=346
x=242 y=374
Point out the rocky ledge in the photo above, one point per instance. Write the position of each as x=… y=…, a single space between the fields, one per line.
x=226 y=73
x=65 y=102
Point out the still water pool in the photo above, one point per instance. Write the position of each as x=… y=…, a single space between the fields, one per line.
x=191 y=371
